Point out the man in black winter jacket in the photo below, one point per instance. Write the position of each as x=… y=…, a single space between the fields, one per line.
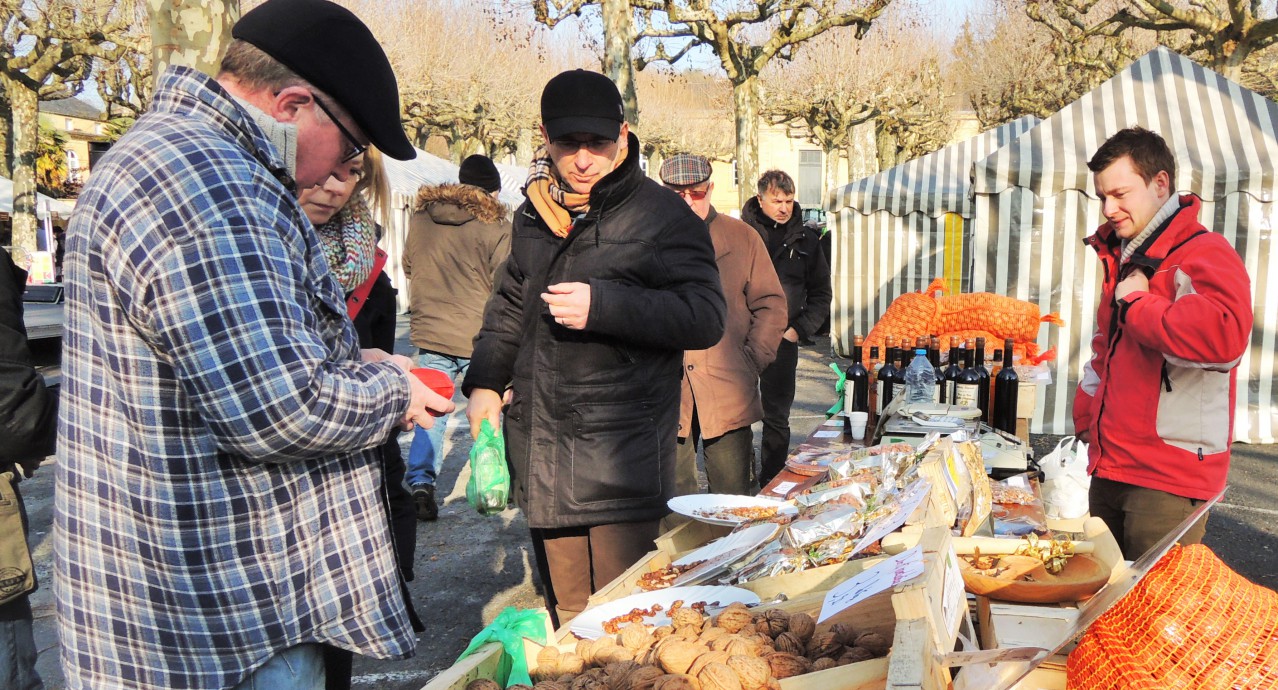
x=610 y=277
x=805 y=277
x=28 y=422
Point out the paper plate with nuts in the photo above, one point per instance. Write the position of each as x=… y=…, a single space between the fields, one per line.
x=729 y=509
x=715 y=557
x=655 y=608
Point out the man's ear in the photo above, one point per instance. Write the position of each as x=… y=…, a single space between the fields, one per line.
x=544 y=136
x=288 y=104
x=1163 y=182
x=624 y=134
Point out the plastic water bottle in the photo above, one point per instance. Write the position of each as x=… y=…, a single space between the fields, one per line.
x=920 y=380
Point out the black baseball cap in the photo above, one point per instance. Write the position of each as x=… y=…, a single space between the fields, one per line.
x=328 y=46
x=577 y=102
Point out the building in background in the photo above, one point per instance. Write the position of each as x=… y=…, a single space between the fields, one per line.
x=85 y=127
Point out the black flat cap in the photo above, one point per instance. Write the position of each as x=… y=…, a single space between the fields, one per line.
x=330 y=47
x=581 y=102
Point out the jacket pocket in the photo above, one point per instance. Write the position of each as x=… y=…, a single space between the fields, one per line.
x=616 y=454
x=1193 y=409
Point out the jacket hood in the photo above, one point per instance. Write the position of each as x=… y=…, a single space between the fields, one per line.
x=456 y=204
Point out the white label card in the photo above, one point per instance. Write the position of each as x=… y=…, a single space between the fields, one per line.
x=911 y=499
x=784 y=488
x=827 y=434
x=902 y=567
x=953 y=594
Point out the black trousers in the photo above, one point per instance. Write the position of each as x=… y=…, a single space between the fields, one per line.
x=776 y=387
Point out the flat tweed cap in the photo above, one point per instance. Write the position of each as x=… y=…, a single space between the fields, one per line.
x=683 y=169
x=328 y=46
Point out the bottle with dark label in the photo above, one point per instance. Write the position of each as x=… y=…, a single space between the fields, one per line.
x=934 y=356
x=951 y=371
x=983 y=400
x=1006 y=388
x=874 y=386
x=967 y=387
x=902 y=361
x=886 y=375
x=858 y=379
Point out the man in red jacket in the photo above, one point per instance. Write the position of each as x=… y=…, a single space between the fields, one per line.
x=1156 y=403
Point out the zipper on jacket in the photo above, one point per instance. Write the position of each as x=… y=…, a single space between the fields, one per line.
x=1200 y=455
x=1167 y=384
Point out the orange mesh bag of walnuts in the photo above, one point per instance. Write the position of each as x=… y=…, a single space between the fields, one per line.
x=1190 y=623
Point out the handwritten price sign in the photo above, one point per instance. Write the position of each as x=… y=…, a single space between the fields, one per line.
x=902 y=567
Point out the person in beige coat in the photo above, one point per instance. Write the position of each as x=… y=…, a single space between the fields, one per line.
x=458 y=237
x=721 y=384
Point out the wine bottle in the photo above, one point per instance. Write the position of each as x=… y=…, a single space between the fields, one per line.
x=858 y=379
x=902 y=361
x=875 y=364
x=934 y=356
x=983 y=400
x=967 y=387
x=996 y=365
x=886 y=375
x=951 y=371
x=1006 y=388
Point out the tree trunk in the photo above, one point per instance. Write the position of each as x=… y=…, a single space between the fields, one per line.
x=25 y=124
x=6 y=139
x=526 y=145
x=457 y=145
x=618 y=20
x=862 y=156
x=831 y=175
x=193 y=33
x=745 y=113
x=885 y=144
x=655 y=159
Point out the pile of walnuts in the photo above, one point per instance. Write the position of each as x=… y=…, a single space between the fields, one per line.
x=737 y=650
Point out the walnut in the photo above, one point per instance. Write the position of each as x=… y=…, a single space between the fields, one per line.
x=844 y=633
x=707 y=658
x=716 y=676
x=778 y=622
x=785 y=665
x=642 y=678
x=661 y=631
x=823 y=644
x=735 y=617
x=773 y=684
x=677 y=656
x=635 y=637
x=676 y=681
x=611 y=654
x=790 y=643
x=550 y=685
x=519 y=686
x=874 y=642
x=708 y=635
x=854 y=655
x=742 y=647
x=571 y=664
x=823 y=663
x=688 y=633
x=483 y=684
x=589 y=681
x=803 y=626
x=583 y=648
x=753 y=671
x=619 y=669
x=721 y=642
x=687 y=616
x=761 y=641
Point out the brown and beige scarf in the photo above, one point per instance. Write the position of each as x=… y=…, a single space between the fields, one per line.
x=350 y=241
x=554 y=203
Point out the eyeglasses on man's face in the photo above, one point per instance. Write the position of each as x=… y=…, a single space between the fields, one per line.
x=354 y=148
x=690 y=193
x=567 y=146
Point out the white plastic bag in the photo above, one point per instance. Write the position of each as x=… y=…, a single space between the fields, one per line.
x=1065 y=480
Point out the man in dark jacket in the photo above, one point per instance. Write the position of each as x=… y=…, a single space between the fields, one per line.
x=457 y=239
x=610 y=278
x=28 y=416
x=805 y=276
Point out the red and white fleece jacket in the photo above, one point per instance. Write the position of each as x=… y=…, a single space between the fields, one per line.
x=1158 y=393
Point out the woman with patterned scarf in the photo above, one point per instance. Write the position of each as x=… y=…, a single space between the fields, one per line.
x=345 y=215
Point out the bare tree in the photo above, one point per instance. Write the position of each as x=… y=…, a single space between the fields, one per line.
x=46 y=52
x=916 y=118
x=744 y=36
x=193 y=33
x=618 y=22
x=685 y=113
x=1220 y=33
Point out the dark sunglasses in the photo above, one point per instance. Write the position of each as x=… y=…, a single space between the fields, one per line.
x=694 y=194
x=356 y=147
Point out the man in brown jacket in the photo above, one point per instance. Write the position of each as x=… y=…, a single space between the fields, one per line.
x=721 y=385
x=457 y=239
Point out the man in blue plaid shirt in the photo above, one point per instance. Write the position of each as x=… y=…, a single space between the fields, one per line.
x=218 y=507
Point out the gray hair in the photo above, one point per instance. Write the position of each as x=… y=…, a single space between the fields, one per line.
x=255 y=69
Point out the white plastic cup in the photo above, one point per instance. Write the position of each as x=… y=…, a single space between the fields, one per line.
x=858 y=420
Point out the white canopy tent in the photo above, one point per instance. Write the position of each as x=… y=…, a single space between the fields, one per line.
x=44 y=205
x=1035 y=202
x=897 y=230
x=406 y=177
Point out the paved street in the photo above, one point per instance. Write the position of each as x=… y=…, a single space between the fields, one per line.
x=469 y=567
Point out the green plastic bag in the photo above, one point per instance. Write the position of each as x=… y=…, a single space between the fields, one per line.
x=488 y=488
x=510 y=628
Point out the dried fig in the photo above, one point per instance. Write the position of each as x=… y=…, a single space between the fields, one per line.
x=823 y=663
x=854 y=655
x=716 y=676
x=874 y=642
x=753 y=671
x=824 y=644
x=803 y=626
x=710 y=657
x=735 y=617
x=785 y=665
x=844 y=633
x=687 y=616
x=483 y=684
x=635 y=637
x=677 y=656
x=790 y=643
x=676 y=681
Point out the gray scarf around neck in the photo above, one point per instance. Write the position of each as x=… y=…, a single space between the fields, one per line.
x=1167 y=210
x=283 y=135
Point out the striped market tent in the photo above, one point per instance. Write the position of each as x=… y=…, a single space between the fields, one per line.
x=1035 y=202
x=406 y=177
x=897 y=230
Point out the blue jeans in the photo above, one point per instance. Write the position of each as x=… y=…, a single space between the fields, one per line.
x=295 y=668
x=423 y=468
x=17 y=647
